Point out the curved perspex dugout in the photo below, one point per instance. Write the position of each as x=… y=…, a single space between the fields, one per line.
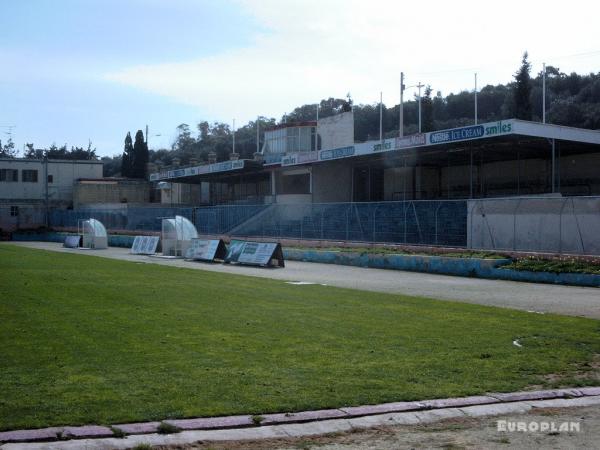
x=177 y=235
x=93 y=234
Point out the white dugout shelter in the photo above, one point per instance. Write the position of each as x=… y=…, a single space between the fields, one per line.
x=177 y=235
x=93 y=234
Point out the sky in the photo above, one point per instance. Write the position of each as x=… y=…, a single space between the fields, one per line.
x=74 y=71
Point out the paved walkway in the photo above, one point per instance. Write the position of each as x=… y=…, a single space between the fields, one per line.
x=567 y=300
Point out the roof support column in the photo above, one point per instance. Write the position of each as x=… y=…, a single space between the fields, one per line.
x=273 y=189
x=553 y=165
x=470 y=170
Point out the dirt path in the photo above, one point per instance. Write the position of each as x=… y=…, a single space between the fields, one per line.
x=464 y=433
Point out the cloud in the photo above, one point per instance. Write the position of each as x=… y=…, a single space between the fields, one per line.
x=316 y=49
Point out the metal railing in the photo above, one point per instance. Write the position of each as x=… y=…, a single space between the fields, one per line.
x=410 y=222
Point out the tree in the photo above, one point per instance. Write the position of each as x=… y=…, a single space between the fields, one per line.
x=140 y=156
x=32 y=153
x=55 y=152
x=522 y=90
x=111 y=165
x=427 y=111
x=8 y=150
x=127 y=159
x=88 y=154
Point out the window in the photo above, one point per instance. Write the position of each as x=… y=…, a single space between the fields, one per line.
x=9 y=175
x=29 y=176
x=14 y=211
x=50 y=178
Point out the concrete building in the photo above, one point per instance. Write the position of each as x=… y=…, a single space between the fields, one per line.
x=505 y=158
x=506 y=185
x=37 y=180
x=89 y=192
x=29 y=186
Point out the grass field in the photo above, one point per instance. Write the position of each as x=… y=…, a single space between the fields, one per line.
x=92 y=340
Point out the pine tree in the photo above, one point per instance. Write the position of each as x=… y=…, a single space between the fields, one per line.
x=427 y=111
x=522 y=90
x=140 y=156
x=127 y=160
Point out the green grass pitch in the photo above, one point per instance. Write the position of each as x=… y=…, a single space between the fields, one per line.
x=91 y=340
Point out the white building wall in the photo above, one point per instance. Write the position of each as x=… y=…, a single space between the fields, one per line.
x=332 y=182
x=336 y=131
x=64 y=174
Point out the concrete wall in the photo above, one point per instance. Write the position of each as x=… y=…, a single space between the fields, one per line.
x=332 y=182
x=28 y=216
x=336 y=131
x=294 y=199
x=556 y=225
x=110 y=191
x=60 y=189
x=185 y=194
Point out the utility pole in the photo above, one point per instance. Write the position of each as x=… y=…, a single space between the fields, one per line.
x=420 y=86
x=146 y=134
x=401 y=125
x=475 y=98
x=544 y=93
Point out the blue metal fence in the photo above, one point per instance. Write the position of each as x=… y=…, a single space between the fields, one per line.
x=126 y=219
x=410 y=222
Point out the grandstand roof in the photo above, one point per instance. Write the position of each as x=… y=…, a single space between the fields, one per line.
x=493 y=136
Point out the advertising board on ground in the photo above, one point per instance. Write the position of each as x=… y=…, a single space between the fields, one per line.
x=144 y=245
x=206 y=249
x=255 y=253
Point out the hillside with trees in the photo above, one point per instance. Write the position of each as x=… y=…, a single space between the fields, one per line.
x=571 y=100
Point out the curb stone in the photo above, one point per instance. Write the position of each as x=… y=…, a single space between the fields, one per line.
x=304 y=429
x=488 y=404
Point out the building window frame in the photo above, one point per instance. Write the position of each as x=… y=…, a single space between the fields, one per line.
x=9 y=175
x=29 y=175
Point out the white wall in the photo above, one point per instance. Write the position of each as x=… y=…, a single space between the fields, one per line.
x=64 y=174
x=336 y=131
x=332 y=182
x=556 y=225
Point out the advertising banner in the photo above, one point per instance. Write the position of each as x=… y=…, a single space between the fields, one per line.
x=255 y=253
x=144 y=245
x=206 y=249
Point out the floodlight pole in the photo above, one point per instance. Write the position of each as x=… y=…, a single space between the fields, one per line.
x=544 y=93
x=475 y=98
x=381 y=119
x=233 y=134
x=316 y=129
x=401 y=124
x=420 y=86
x=257 y=134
